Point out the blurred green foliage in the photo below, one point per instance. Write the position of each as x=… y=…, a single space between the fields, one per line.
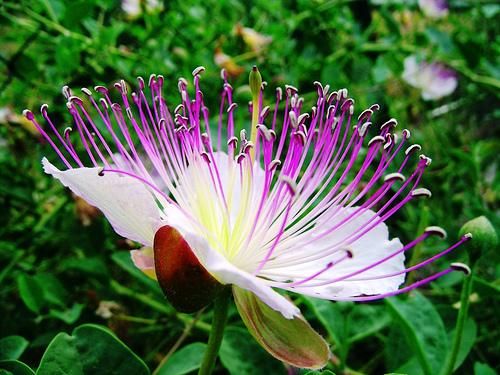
x=60 y=261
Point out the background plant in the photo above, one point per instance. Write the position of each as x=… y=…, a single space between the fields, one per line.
x=61 y=262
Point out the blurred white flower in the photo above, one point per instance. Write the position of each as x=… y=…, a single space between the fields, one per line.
x=434 y=79
x=133 y=7
x=434 y=8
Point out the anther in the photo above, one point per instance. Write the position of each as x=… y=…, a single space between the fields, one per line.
x=331 y=97
x=265 y=132
x=232 y=107
x=394 y=176
x=390 y=123
x=243 y=135
x=421 y=192
x=233 y=141
x=274 y=164
x=263 y=85
x=377 y=138
x=279 y=93
x=240 y=158
x=292 y=186
x=198 y=71
x=68 y=130
x=302 y=118
x=86 y=91
x=205 y=156
x=427 y=159
x=406 y=134
x=101 y=172
x=318 y=85
x=461 y=267
x=66 y=91
x=75 y=99
x=293 y=119
x=247 y=147
x=413 y=148
x=467 y=236
x=141 y=82
x=101 y=90
x=151 y=80
x=366 y=113
x=325 y=90
x=375 y=107
x=28 y=114
x=349 y=253
x=178 y=109
x=223 y=74
x=290 y=90
x=363 y=129
x=347 y=104
x=43 y=109
x=264 y=112
x=436 y=230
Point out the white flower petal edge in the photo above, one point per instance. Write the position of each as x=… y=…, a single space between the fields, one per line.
x=372 y=247
x=127 y=204
x=227 y=273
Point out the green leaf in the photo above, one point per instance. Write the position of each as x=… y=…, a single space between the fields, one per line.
x=331 y=316
x=90 y=349
x=423 y=328
x=241 y=355
x=15 y=367
x=185 y=360
x=365 y=320
x=125 y=262
x=290 y=340
x=483 y=369
x=11 y=347
x=31 y=292
x=468 y=339
x=68 y=316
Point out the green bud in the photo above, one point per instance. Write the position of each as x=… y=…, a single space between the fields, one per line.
x=255 y=80
x=484 y=237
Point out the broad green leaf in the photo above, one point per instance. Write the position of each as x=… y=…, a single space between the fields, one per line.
x=185 y=360
x=54 y=292
x=31 y=292
x=468 y=339
x=290 y=340
x=91 y=349
x=315 y=372
x=11 y=347
x=15 y=367
x=365 y=320
x=68 y=316
x=423 y=328
x=483 y=369
x=125 y=262
x=330 y=314
x=241 y=355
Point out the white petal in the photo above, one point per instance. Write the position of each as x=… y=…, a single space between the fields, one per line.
x=439 y=87
x=411 y=72
x=227 y=273
x=127 y=204
x=372 y=247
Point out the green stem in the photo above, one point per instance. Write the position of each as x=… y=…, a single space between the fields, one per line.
x=221 y=305
x=459 y=329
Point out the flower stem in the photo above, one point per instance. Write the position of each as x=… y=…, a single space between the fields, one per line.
x=221 y=305
x=462 y=316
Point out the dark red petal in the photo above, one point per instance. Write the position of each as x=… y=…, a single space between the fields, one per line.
x=186 y=283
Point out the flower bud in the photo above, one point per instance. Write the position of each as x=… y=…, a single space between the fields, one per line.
x=184 y=281
x=484 y=236
x=255 y=80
